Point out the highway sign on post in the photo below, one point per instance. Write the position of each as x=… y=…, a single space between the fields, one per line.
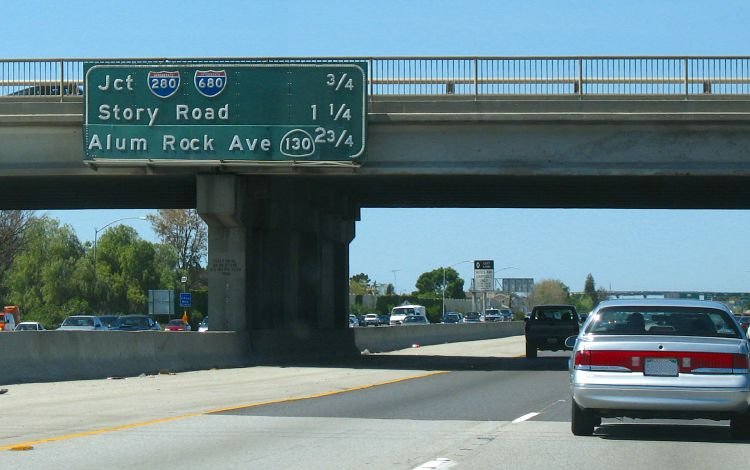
x=484 y=275
x=186 y=299
x=225 y=112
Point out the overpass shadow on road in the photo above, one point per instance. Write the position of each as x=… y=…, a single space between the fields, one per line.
x=409 y=362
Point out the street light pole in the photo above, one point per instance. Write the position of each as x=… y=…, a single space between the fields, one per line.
x=452 y=265
x=96 y=238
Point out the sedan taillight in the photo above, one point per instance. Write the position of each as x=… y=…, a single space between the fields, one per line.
x=688 y=362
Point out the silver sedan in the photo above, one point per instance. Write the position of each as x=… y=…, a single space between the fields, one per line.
x=660 y=358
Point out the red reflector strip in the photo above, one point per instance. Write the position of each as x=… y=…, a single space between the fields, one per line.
x=700 y=362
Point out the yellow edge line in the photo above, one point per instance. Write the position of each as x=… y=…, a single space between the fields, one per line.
x=126 y=427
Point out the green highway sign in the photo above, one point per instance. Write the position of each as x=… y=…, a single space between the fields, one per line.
x=225 y=112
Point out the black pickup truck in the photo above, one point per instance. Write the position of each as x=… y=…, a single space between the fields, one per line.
x=548 y=326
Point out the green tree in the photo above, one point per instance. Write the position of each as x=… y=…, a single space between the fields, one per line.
x=359 y=284
x=589 y=290
x=49 y=276
x=430 y=284
x=13 y=225
x=186 y=232
x=126 y=268
x=549 y=291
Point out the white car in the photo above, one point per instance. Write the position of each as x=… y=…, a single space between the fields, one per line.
x=30 y=326
x=660 y=358
x=82 y=323
x=372 y=319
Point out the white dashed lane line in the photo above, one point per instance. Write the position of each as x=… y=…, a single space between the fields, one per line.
x=528 y=416
x=436 y=464
x=524 y=418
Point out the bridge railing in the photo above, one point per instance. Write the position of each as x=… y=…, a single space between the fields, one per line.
x=463 y=76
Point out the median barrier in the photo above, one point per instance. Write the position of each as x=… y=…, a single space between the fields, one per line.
x=43 y=356
x=401 y=337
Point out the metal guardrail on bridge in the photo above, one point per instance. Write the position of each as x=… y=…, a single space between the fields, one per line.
x=463 y=76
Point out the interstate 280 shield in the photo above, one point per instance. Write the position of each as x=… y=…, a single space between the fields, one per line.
x=164 y=83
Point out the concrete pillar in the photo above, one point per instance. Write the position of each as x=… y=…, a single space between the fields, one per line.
x=220 y=204
x=278 y=260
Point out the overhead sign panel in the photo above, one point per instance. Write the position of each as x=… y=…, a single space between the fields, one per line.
x=227 y=112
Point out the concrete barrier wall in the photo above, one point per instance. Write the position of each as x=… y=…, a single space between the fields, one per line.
x=43 y=356
x=382 y=339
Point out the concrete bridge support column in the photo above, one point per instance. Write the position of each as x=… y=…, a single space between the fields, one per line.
x=284 y=242
x=221 y=207
x=298 y=235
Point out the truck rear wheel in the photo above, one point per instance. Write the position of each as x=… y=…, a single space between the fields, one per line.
x=530 y=350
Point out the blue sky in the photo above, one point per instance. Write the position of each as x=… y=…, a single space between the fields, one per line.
x=680 y=250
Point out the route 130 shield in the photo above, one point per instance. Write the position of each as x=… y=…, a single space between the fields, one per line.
x=210 y=83
x=163 y=84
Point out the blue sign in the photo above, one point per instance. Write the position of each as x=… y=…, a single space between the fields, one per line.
x=186 y=299
x=164 y=83
x=210 y=83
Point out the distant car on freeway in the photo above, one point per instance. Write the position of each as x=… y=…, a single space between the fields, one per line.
x=506 y=314
x=30 y=326
x=69 y=89
x=415 y=320
x=452 y=318
x=203 y=325
x=137 y=323
x=177 y=324
x=744 y=321
x=353 y=321
x=491 y=314
x=82 y=323
x=372 y=319
x=384 y=319
x=112 y=322
x=660 y=358
x=472 y=317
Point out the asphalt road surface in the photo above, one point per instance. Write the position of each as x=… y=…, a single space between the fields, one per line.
x=477 y=405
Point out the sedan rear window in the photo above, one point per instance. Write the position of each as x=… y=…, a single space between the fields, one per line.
x=672 y=321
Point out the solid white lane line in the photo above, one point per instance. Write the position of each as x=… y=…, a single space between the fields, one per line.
x=524 y=418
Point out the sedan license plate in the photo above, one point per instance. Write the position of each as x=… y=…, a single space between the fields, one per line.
x=661 y=367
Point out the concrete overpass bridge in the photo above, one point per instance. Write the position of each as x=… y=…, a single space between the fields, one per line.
x=557 y=132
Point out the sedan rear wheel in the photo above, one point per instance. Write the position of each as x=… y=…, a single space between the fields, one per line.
x=739 y=426
x=582 y=422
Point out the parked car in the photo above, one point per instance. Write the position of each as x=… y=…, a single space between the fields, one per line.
x=203 y=325
x=82 y=323
x=29 y=326
x=452 y=317
x=415 y=320
x=177 y=324
x=660 y=358
x=137 y=323
x=548 y=327
x=472 y=317
x=372 y=319
x=112 y=322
